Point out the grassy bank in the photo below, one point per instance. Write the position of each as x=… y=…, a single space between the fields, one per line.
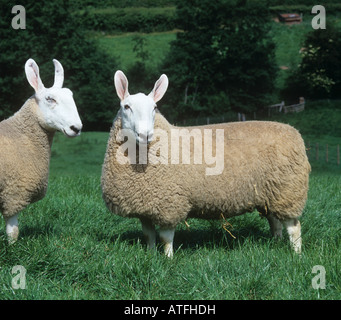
x=121 y=47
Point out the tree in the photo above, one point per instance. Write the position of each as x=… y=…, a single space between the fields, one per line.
x=52 y=32
x=140 y=76
x=318 y=75
x=223 y=59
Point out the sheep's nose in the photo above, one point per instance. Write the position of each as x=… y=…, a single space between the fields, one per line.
x=74 y=129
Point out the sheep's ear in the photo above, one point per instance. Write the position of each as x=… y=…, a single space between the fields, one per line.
x=32 y=75
x=160 y=88
x=121 y=85
x=58 y=74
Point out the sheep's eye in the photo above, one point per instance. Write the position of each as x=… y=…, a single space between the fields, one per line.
x=50 y=100
x=126 y=107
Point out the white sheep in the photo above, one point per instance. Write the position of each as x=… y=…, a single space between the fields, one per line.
x=25 y=143
x=257 y=165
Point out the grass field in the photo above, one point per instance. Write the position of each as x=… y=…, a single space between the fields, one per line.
x=73 y=248
x=121 y=47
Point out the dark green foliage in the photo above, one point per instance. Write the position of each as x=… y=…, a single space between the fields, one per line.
x=79 y=4
x=304 y=7
x=51 y=32
x=127 y=19
x=166 y=3
x=319 y=74
x=150 y=16
x=300 y=2
x=224 y=58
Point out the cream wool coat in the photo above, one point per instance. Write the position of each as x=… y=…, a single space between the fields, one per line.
x=265 y=168
x=25 y=148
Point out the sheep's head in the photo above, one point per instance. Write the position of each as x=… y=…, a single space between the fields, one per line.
x=58 y=109
x=138 y=110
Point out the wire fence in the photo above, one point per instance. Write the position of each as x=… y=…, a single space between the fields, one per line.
x=327 y=153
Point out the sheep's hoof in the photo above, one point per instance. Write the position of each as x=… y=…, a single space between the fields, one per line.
x=167 y=236
x=169 y=250
x=13 y=236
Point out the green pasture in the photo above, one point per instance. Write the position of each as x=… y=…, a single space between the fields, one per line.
x=121 y=47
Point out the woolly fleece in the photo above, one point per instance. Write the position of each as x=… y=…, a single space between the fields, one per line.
x=265 y=168
x=24 y=159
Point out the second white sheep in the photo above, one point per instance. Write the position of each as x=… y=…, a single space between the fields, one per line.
x=262 y=165
x=25 y=143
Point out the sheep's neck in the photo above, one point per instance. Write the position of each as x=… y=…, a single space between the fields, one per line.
x=27 y=122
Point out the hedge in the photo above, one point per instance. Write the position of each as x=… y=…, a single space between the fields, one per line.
x=142 y=19
x=81 y=4
x=128 y=19
x=331 y=8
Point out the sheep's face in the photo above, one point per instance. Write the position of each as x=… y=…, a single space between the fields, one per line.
x=138 y=115
x=138 y=110
x=58 y=110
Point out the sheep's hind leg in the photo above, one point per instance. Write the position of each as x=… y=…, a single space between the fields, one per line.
x=167 y=236
x=293 y=227
x=275 y=226
x=148 y=230
x=12 y=229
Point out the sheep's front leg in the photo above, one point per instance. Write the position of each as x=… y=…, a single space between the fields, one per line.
x=148 y=230
x=293 y=227
x=12 y=229
x=167 y=236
